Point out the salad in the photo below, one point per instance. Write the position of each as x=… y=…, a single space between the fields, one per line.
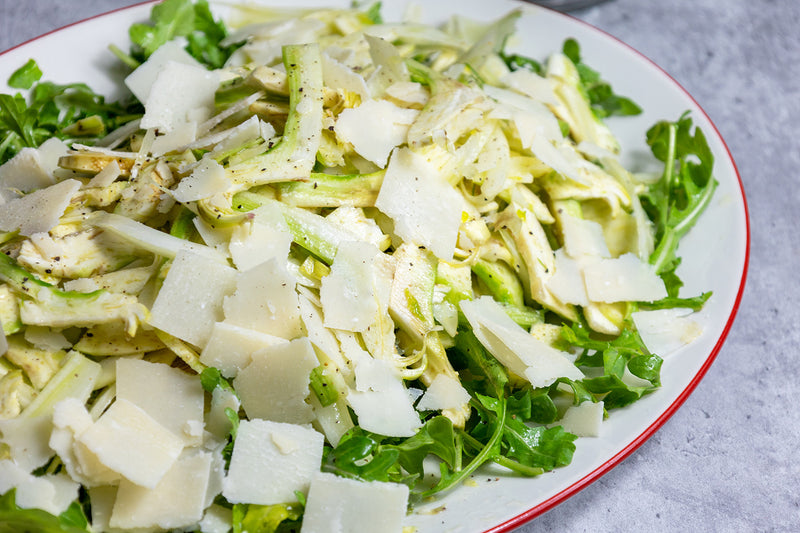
x=319 y=268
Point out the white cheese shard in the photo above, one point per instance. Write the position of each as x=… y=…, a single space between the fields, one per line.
x=625 y=278
x=180 y=93
x=664 y=331
x=141 y=80
x=339 y=75
x=181 y=135
x=206 y=180
x=274 y=385
x=26 y=438
x=380 y=400
x=566 y=284
x=340 y=505
x=217 y=519
x=444 y=392
x=265 y=237
x=265 y=300
x=348 y=294
x=532 y=119
x=520 y=352
x=191 y=298
x=177 y=501
x=531 y=84
x=51 y=493
x=583 y=238
x=70 y=420
x=217 y=422
x=230 y=347
x=172 y=397
x=375 y=128
x=260 y=473
x=38 y=211
x=30 y=169
x=425 y=208
x=584 y=420
x=129 y=441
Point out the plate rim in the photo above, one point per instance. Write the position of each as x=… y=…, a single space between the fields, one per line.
x=623 y=453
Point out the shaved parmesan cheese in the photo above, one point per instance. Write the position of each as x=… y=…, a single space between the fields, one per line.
x=408 y=92
x=240 y=135
x=566 y=284
x=23 y=173
x=444 y=392
x=105 y=177
x=182 y=135
x=336 y=74
x=532 y=119
x=665 y=330
x=206 y=180
x=625 y=278
x=531 y=84
x=27 y=438
x=265 y=300
x=177 y=501
x=260 y=473
x=426 y=210
x=141 y=80
x=340 y=505
x=70 y=420
x=354 y=220
x=38 y=211
x=583 y=420
x=129 y=441
x=265 y=237
x=179 y=94
x=347 y=294
x=374 y=128
x=274 y=385
x=583 y=237
x=523 y=354
x=381 y=402
x=151 y=386
x=191 y=299
x=217 y=519
x=51 y=493
x=229 y=348
x=217 y=422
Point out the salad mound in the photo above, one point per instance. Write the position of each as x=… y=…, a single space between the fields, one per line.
x=320 y=268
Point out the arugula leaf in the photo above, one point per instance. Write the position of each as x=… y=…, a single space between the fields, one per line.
x=676 y=201
x=252 y=518
x=489 y=450
x=53 y=110
x=436 y=437
x=602 y=98
x=627 y=351
x=25 y=76
x=14 y=519
x=179 y=18
x=171 y=18
x=359 y=455
x=211 y=378
x=488 y=374
x=517 y=62
x=323 y=387
x=694 y=303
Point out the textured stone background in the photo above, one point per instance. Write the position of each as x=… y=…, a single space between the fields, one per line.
x=727 y=461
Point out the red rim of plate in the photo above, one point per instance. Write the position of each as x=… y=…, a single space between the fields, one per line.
x=620 y=456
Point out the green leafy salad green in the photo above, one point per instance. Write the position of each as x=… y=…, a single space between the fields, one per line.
x=303 y=287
